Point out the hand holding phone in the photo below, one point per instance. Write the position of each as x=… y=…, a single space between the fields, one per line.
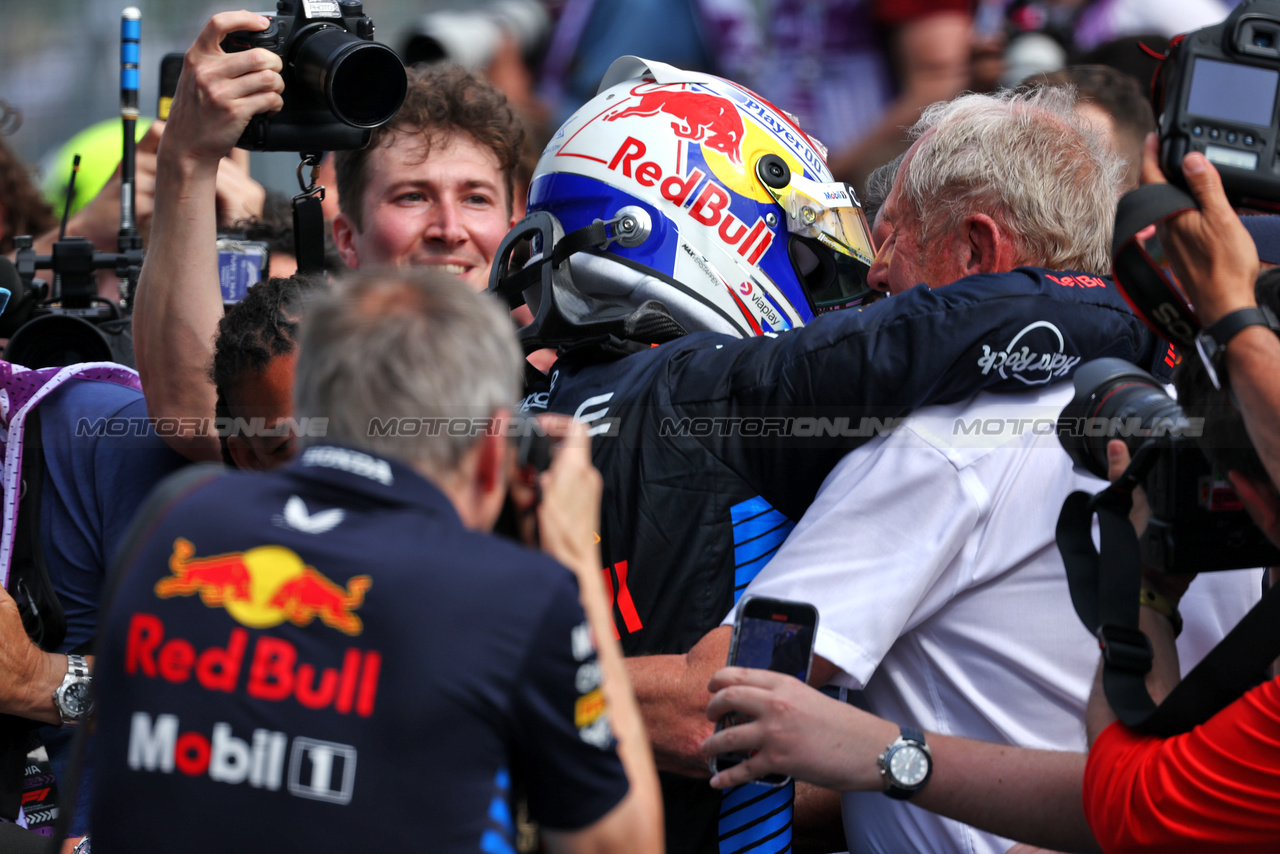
x=769 y=634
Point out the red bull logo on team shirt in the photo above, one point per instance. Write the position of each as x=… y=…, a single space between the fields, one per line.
x=709 y=120
x=274 y=671
x=264 y=587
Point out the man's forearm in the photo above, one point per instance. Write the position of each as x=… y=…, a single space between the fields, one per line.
x=179 y=303
x=672 y=693
x=1031 y=796
x=31 y=696
x=1253 y=369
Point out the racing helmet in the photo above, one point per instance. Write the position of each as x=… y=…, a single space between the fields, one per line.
x=675 y=202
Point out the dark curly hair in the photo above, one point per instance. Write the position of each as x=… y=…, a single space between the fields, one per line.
x=25 y=210
x=443 y=100
x=256 y=330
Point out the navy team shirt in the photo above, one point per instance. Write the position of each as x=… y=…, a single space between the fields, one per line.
x=324 y=658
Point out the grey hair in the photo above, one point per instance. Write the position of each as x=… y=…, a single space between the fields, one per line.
x=414 y=349
x=1027 y=160
x=879 y=183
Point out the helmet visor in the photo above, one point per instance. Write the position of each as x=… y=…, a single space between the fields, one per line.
x=828 y=215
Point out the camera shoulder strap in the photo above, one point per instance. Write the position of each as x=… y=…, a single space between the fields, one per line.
x=1157 y=301
x=308 y=218
x=1104 y=591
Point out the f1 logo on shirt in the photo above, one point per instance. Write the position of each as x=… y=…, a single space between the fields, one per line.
x=318 y=770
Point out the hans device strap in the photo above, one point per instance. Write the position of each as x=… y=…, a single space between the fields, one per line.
x=1105 y=593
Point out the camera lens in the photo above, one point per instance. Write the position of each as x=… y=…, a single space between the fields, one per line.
x=1114 y=400
x=362 y=82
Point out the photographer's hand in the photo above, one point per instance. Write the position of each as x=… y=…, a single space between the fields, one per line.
x=179 y=302
x=569 y=510
x=239 y=196
x=220 y=92
x=1210 y=251
x=1165 y=672
x=568 y=522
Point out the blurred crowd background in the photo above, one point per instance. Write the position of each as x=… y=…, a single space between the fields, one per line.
x=849 y=69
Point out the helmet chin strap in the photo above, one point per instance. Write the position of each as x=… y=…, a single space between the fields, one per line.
x=564 y=313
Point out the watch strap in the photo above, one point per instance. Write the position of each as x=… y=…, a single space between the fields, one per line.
x=1233 y=323
x=77 y=671
x=1211 y=342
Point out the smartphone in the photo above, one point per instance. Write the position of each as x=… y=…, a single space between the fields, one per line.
x=170 y=71
x=771 y=634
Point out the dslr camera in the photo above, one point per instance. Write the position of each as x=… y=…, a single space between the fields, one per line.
x=339 y=83
x=1197 y=522
x=1216 y=94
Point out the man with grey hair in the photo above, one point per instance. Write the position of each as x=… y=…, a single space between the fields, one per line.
x=997 y=182
x=287 y=651
x=929 y=552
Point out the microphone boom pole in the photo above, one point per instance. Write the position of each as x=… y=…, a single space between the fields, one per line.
x=130 y=38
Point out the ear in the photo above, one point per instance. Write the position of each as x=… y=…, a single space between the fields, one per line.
x=344 y=237
x=1260 y=501
x=489 y=477
x=241 y=454
x=989 y=247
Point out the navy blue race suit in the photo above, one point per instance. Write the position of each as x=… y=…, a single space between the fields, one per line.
x=712 y=446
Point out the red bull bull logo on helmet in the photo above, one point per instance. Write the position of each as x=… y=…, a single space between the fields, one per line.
x=264 y=587
x=709 y=120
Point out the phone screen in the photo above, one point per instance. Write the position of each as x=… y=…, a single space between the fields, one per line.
x=769 y=634
x=241 y=265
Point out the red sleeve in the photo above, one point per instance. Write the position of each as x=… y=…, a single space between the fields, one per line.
x=895 y=13
x=1214 y=789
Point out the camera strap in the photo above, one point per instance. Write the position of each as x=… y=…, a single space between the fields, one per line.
x=1104 y=591
x=1152 y=295
x=308 y=218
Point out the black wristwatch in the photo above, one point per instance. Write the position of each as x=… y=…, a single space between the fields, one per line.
x=72 y=698
x=1211 y=343
x=906 y=764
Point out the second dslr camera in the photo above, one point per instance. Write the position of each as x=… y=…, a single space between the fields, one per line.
x=338 y=82
x=1216 y=94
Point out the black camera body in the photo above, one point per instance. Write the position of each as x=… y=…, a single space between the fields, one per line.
x=64 y=321
x=1217 y=94
x=339 y=83
x=1197 y=522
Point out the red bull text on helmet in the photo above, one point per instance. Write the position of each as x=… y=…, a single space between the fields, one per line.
x=684 y=147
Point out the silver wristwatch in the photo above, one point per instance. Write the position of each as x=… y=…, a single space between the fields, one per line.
x=72 y=699
x=906 y=764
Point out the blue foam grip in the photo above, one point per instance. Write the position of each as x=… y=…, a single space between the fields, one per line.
x=130 y=30
x=129 y=79
x=129 y=52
